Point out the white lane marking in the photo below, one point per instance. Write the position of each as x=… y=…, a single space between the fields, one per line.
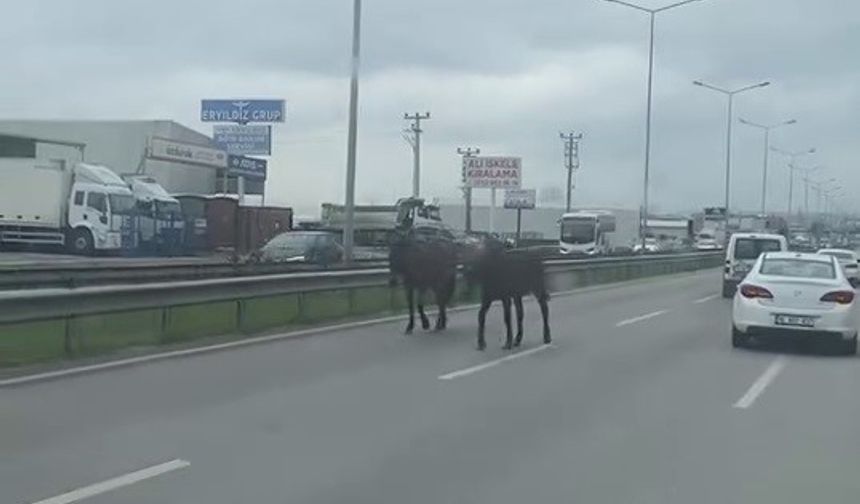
x=706 y=299
x=115 y=483
x=487 y=365
x=640 y=318
x=758 y=387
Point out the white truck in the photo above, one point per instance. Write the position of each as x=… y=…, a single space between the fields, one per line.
x=159 y=221
x=48 y=196
x=598 y=232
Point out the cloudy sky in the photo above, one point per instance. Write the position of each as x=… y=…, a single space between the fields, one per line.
x=505 y=75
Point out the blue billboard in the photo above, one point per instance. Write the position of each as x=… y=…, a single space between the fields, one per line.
x=242 y=111
x=243 y=140
x=247 y=167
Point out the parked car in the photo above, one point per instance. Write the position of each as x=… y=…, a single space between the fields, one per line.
x=315 y=247
x=849 y=262
x=796 y=294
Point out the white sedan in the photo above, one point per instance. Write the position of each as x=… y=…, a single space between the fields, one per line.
x=792 y=293
x=848 y=260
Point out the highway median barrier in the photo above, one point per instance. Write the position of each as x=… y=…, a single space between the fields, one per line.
x=50 y=325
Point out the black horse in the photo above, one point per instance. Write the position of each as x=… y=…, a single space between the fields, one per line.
x=507 y=276
x=425 y=261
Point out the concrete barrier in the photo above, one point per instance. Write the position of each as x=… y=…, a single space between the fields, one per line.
x=45 y=326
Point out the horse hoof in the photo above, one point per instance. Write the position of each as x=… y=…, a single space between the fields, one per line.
x=507 y=346
x=547 y=340
x=517 y=343
x=408 y=331
x=482 y=347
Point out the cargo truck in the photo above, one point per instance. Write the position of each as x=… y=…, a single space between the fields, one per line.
x=48 y=196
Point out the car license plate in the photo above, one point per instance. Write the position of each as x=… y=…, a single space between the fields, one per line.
x=794 y=320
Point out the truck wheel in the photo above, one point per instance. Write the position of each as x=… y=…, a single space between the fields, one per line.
x=81 y=242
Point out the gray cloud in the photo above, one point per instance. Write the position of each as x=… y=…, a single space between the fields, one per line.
x=504 y=74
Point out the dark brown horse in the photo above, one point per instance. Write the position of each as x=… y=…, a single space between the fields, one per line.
x=424 y=260
x=507 y=276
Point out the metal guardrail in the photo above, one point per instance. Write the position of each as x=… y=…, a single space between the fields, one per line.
x=43 y=276
x=46 y=304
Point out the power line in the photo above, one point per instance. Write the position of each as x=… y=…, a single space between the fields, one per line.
x=415 y=140
x=571 y=160
x=467 y=152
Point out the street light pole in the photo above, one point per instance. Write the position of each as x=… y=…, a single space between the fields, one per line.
x=352 y=135
x=730 y=93
x=792 y=165
x=767 y=129
x=806 y=174
x=652 y=15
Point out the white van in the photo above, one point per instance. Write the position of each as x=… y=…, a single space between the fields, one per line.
x=741 y=254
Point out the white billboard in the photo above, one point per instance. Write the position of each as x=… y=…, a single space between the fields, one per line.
x=520 y=198
x=493 y=172
x=169 y=150
x=243 y=140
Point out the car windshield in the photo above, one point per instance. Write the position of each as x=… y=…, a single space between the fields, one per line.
x=122 y=204
x=751 y=248
x=577 y=231
x=841 y=255
x=798 y=268
x=297 y=241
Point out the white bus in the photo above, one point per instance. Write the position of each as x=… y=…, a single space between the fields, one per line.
x=597 y=232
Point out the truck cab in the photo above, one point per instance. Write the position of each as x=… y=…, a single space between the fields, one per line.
x=101 y=209
x=160 y=223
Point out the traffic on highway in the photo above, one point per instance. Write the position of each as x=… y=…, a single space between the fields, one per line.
x=395 y=252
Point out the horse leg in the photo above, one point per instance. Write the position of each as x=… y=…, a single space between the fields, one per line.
x=482 y=318
x=506 y=306
x=544 y=311
x=518 y=304
x=410 y=300
x=425 y=322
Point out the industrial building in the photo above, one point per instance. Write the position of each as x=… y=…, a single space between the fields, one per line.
x=179 y=158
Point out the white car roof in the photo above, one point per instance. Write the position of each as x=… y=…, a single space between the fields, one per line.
x=836 y=251
x=759 y=236
x=806 y=256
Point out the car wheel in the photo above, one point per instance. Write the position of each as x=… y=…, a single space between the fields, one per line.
x=728 y=290
x=81 y=242
x=851 y=346
x=739 y=339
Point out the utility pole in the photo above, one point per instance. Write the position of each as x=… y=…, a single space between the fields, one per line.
x=415 y=140
x=467 y=152
x=571 y=160
x=352 y=135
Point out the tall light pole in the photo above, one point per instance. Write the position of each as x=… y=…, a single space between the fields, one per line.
x=415 y=141
x=730 y=93
x=652 y=13
x=806 y=173
x=767 y=128
x=792 y=165
x=352 y=135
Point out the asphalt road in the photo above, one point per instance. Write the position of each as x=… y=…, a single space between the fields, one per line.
x=640 y=400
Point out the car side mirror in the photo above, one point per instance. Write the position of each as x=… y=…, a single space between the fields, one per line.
x=103 y=219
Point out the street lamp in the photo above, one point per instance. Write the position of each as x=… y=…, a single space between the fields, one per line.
x=352 y=135
x=767 y=129
x=652 y=14
x=792 y=162
x=806 y=174
x=730 y=93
